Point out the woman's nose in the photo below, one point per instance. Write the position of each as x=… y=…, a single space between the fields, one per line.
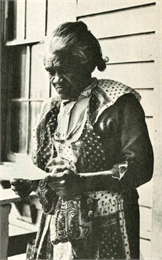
x=57 y=78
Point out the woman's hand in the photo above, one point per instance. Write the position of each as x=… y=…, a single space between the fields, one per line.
x=63 y=178
x=65 y=183
x=23 y=187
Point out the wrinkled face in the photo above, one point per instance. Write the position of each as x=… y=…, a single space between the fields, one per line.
x=68 y=76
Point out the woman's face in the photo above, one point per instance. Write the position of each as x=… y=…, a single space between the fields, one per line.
x=68 y=77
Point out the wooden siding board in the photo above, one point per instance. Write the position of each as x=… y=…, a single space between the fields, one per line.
x=145 y=222
x=124 y=22
x=145 y=250
x=85 y=7
x=145 y=195
x=151 y=129
x=140 y=75
x=137 y=48
x=59 y=12
x=147 y=101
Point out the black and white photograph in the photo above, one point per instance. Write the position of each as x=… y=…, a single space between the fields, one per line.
x=81 y=130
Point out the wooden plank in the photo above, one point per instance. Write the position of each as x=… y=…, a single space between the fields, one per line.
x=59 y=12
x=9 y=196
x=35 y=15
x=139 y=75
x=17 y=257
x=16 y=42
x=85 y=7
x=137 y=48
x=147 y=98
x=16 y=230
x=18 y=171
x=145 y=222
x=145 y=194
x=145 y=249
x=21 y=220
x=121 y=23
x=151 y=129
x=39 y=76
x=147 y=101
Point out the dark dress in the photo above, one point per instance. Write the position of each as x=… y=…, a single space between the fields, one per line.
x=114 y=137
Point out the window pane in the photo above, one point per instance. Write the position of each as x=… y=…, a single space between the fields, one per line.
x=19 y=73
x=15 y=10
x=19 y=127
x=34 y=112
x=11 y=20
x=39 y=76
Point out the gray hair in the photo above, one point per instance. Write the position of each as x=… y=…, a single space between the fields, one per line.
x=74 y=38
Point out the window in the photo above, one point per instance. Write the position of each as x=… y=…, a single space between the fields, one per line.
x=25 y=24
x=29 y=86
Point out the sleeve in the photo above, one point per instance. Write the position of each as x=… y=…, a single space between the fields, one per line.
x=136 y=148
x=127 y=145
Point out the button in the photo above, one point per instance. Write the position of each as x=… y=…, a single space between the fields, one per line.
x=90 y=213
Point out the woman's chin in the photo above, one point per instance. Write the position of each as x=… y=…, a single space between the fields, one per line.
x=65 y=95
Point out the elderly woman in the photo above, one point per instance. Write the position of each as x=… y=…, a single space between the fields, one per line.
x=93 y=142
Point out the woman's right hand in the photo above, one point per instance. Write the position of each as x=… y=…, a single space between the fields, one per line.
x=63 y=178
x=65 y=183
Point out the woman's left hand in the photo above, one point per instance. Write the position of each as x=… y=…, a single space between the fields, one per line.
x=22 y=187
x=65 y=183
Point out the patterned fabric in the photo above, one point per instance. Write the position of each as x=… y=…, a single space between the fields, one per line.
x=103 y=95
x=89 y=156
x=72 y=220
x=106 y=94
x=47 y=197
x=108 y=237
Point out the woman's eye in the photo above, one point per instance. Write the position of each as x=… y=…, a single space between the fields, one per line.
x=51 y=73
